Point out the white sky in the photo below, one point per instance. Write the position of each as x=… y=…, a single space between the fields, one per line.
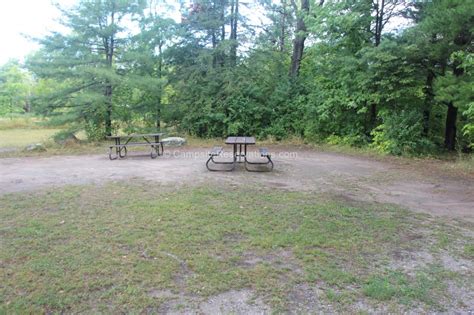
x=31 y=17
x=34 y=18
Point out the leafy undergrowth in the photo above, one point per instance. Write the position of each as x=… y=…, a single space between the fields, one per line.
x=114 y=248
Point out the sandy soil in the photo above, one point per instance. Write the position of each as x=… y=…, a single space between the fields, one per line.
x=345 y=177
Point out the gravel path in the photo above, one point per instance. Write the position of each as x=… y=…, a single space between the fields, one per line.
x=345 y=177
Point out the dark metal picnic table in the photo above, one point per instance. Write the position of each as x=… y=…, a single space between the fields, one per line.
x=239 y=142
x=124 y=141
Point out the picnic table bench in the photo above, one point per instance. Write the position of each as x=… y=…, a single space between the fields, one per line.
x=148 y=139
x=263 y=153
x=216 y=151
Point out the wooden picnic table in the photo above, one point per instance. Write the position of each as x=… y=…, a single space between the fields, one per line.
x=239 y=142
x=124 y=141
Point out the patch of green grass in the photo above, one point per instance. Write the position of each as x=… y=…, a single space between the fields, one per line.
x=105 y=249
x=21 y=121
x=425 y=286
x=338 y=297
x=53 y=149
x=394 y=284
x=19 y=138
x=469 y=250
x=444 y=240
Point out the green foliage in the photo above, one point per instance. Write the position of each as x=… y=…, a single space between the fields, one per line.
x=345 y=140
x=401 y=133
x=458 y=89
x=15 y=89
x=88 y=62
x=356 y=92
x=358 y=84
x=62 y=135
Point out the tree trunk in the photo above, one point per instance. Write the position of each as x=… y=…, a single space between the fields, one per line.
x=452 y=115
x=233 y=31
x=158 y=105
x=379 y=22
x=109 y=50
x=373 y=115
x=223 y=7
x=298 y=43
x=379 y=13
x=108 y=112
x=450 y=132
x=11 y=109
x=429 y=96
x=221 y=54
x=158 y=114
x=108 y=95
x=27 y=106
x=214 y=45
x=283 y=26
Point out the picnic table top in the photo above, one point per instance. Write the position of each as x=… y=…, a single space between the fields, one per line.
x=136 y=135
x=240 y=140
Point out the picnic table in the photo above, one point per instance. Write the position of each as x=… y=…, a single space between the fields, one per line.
x=132 y=140
x=238 y=143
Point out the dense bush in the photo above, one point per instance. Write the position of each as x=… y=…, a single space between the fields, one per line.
x=401 y=133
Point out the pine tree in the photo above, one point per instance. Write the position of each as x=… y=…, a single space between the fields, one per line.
x=89 y=57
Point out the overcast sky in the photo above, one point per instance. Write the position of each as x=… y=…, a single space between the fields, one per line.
x=34 y=18
x=31 y=17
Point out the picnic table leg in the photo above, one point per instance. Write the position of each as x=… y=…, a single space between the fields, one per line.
x=124 y=149
x=153 y=148
x=110 y=154
x=161 y=145
x=117 y=143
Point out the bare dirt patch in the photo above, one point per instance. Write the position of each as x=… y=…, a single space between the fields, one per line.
x=462 y=298
x=243 y=301
x=349 y=177
x=305 y=298
x=234 y=302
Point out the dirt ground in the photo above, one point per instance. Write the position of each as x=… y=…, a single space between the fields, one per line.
x=414 y=186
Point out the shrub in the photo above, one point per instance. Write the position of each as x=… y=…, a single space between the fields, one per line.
x=400 y=133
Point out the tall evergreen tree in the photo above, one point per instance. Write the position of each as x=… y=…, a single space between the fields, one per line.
x=90 y=58
x=446 y=27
